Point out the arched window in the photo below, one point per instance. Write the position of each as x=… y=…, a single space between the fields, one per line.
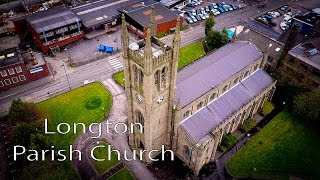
x=135 y=75
x=235 y=81
x=164 y=77
x=199 y=105
x=225 y=88
x=186 y=114
x=213 y=96
x=141 y=81
x=140 y=119
x=187 y=151
x=156 y=78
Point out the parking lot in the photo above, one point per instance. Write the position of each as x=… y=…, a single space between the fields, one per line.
x=278 y=19
x=199 y=10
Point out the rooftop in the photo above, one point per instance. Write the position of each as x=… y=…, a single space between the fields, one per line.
x=157 y=46
x=308 y=52
x=142 y=14
x=194 y=80
x=309 y=18
x=205 y=120
x=9 y=57
x=98 y=12
x=52 y=19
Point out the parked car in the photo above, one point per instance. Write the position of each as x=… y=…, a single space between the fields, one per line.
x=284 y=8
x=234 y=6
x=215 y=5
x=225 y=8
x=221 y=10
x=215 y=12
x=192 y=4
x=262 y=5
x=193 y=19
x=202 y=11
x=206 y=15
x=198 y=11
x=202 y=16
x=268 y=17
x=189 y=20
x=198 y=17
x=229 y=7
x=283 y=25
x=207 y=8
x=287 y=18
x=193 y=12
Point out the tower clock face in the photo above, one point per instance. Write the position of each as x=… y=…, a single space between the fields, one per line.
x=139 y=97
x=160 y=99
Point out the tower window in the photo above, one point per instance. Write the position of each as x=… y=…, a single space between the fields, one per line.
x=199 y=105
x=186 y=114
x=187 y=151
x=140 y=119
x=213 y=96
x=156 y=78
x=163 y=77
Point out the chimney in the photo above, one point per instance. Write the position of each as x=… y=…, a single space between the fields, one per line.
x=32 y=57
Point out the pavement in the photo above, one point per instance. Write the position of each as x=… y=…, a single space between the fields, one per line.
x=119 y=141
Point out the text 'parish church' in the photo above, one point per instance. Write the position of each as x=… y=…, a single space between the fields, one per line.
x=189 y=111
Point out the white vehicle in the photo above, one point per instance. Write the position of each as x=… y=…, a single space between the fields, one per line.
x=277 y=13
x=193 y=12
x=288 y=14
x=283 y=25
x=202 y=10
x=202 y=16
x=189 y=20
x=215 y=12
x=215 y=5
x=193 y=19
x=287 y=18
x=206 y=15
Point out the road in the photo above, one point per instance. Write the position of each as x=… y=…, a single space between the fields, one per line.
x=103 y=69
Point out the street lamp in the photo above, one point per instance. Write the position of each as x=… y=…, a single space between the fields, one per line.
x=64 y=67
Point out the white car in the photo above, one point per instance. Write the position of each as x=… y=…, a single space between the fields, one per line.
x=206 y=15
x=193 y=19
x=288 y=14
x=287 y=18
x=189 y=20
x=193 y=12
x=202 y=16
x=283 y=25
x=215 y=5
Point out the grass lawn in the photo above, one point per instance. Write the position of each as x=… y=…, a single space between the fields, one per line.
x=267 y=108
x=102 y=166
x=123 y=174
x=190 y=53
x=283 y=148
x=119 y=77
x=84 y=104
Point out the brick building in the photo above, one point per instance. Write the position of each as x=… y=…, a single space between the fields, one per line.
x=18 y=68
x=51 y=29
x=138 y=18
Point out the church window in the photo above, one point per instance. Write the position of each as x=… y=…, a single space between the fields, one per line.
x=156 y=78
x=135 y=76
x=235 y=81
x=187 y=151
x=186 y=114
x=163 y=77
x=225 y=88
x=141 y=81
x=213 y=96
x=246 y=74
x=199 y=105
x=140 y=119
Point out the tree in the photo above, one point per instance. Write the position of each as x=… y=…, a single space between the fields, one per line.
x=216 y=39
x=23 y=112
x=306 y=107
x=22 y=134
x=39 y=142
x=208 y=25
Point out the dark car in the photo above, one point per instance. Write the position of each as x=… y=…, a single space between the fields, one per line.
x=220 y=10
x=191 y=5
x=234 y=6
x=262 y=5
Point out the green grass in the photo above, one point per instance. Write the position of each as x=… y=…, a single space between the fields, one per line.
x=267 y=108
x=123 y=174
x=247 y=125
x=119 y=78
x=84 y=104
x=227 y=142
x=102 y=153
x=283 y=148
x=190 y=53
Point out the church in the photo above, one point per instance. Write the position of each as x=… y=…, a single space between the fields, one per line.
x=189 y=111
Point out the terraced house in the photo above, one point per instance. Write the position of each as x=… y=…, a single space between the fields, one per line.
x=189 y=111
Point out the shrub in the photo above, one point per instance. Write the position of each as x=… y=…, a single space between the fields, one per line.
x=247 y=125
x=267 y=108
x=227 y=142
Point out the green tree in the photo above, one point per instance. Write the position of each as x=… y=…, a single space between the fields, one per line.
x=307 y=107
x=208 y=24
x=216 y=39
x=23 y=112
x=22 y=134
x=39 y=141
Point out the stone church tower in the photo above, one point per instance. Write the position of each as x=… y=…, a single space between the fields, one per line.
x=150 y=85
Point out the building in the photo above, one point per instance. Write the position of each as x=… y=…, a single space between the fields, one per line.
x=309 y=23
x=101 y=14
x=189 y=111
x=175 y=3
x=138 y=18
x=50 y=30
x=18 y=68
x=302 y=64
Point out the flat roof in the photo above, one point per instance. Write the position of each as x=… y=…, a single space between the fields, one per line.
x=142 y=14
x=52 y=19
x=309 y=18
x=206 y=73
x=203 y=122
x=300 y=52
x=98 y=12
x=9 y=57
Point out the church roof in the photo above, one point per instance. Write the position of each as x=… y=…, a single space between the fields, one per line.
x=205 y=120
x=195 y=80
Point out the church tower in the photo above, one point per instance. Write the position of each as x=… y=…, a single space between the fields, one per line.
x=150 y=85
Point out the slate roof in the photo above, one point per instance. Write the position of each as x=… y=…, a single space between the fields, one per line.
x=195 y=80
x=204 y=121
x=162 y=14
x=100 y=11
x=52 y=19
